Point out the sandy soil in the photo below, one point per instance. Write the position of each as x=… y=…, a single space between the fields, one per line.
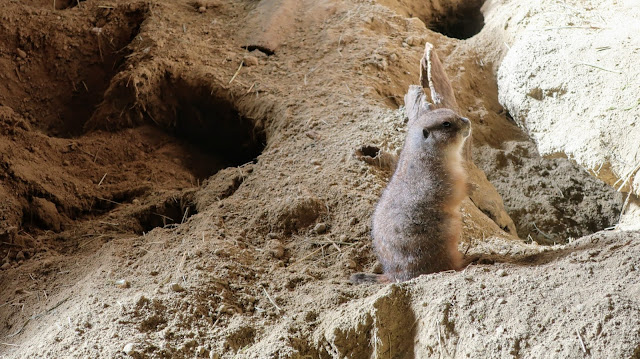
x=182 y=179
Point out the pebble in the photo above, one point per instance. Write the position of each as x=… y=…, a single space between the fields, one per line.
x=320 y=228
x=500 y=330
x=202 y=9
x=20 y=256
x=501 y=273
x=128 y=349
x=501 y=301
x=21 y=53
x=176 y=287
x=351 y=264
x=250 y=60
x=121 y=283
x=272 y=235
x=277 y=251
x=5 y=266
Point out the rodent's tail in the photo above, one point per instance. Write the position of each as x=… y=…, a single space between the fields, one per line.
x=360 y=278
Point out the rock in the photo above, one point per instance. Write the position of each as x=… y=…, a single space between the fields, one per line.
x=21 y=53
x=47 y=213
x=320 y=228
x=277 y=251
x=202 y=9
x=5 y=266
x=250 y=61
x=176 y=287
x=128 y=349
x=121 y=283
x=20 y=256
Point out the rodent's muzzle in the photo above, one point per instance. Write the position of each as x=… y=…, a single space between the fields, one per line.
x=466 y=126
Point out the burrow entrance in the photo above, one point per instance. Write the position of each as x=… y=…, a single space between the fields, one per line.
x=212 y=131
x=459 y=19
x=460 y=22
x=207 y=119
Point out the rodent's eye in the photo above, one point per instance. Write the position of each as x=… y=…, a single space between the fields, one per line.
x=425 y=133
x=446 y=124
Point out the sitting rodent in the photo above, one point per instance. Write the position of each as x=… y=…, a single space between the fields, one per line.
x=417 y=222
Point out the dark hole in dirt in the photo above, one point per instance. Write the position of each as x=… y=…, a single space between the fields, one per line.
x=263 y=49
x=374 y=156
x=50 y=4
x=368 y=151
x=460 y=23
x=67 y=4
x=208 y=120
x=173 y=211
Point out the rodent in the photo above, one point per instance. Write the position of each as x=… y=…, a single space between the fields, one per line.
x=417 y=224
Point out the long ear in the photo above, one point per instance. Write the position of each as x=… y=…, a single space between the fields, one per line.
x=415 y=102
x=432 y=76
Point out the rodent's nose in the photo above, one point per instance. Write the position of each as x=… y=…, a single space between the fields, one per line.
x=467 y=126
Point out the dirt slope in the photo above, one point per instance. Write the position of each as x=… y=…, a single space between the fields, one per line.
x=177 y=186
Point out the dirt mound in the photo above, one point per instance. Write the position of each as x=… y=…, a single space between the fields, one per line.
x=173 y=189
x=554 y=99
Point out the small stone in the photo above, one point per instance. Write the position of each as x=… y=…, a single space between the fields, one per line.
x=5 y=266
x=413 y=41
x=21 y=53
x=128 y=349
x=500 y=330
x=202 y=9
x=351 y=264
x=20 y=256
x=176 y=287
x=277 y=251
x=501 y=273
x=121 y=283
x=272 y=235
x=250 y=61
x=377 y=269
x=343 y=238
x=501 y=301
x=320 y=228
x=353 y=221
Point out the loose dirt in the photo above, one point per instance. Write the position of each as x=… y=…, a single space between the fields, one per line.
x=182 y=179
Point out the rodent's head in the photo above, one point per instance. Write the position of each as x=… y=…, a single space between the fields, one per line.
x=441 y=128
